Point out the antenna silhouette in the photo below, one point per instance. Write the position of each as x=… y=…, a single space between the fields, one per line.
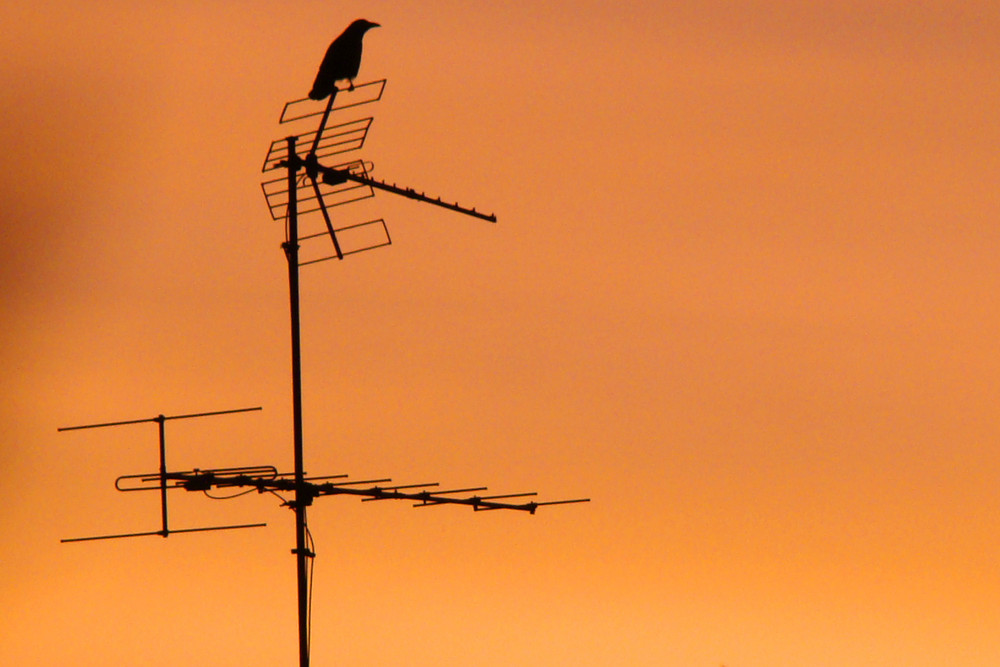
x=307 y=185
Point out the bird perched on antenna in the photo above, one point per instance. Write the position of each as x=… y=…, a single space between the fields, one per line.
x=342 y=60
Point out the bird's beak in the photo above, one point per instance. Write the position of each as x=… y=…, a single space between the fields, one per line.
x=374 y=25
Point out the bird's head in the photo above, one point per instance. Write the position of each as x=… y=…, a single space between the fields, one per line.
x=362 y=26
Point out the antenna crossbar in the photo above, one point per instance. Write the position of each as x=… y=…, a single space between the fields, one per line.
x=162 y=533
x=159 y=418
x=367 y=490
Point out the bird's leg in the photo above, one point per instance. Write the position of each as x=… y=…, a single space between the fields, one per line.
x=350 y=85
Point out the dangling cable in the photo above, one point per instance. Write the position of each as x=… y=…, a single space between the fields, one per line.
x=284 y=501
x=234 y=495
x=287 y=222
x=311 y=546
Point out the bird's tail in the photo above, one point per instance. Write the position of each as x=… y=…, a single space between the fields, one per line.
x=319 y=92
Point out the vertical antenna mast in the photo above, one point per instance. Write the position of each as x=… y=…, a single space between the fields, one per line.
x=300 y=501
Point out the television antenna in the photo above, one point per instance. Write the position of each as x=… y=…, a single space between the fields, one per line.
x=307 y=186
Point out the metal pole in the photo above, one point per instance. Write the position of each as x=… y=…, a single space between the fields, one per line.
x=302 y=499
x=161 y=420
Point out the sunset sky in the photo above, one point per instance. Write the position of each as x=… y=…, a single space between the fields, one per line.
x=741 y=294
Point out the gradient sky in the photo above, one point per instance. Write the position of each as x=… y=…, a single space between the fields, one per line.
x=741 y=294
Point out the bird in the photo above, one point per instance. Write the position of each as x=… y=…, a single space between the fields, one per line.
x=342 y=60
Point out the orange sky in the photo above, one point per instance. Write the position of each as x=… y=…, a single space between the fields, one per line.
x=741 y=294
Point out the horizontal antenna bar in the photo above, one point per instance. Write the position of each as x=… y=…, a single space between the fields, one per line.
x=509 y=495
x=395 y=489
x=216 y=474
x=469 y=490
x=367 y=490
x=201 y=530
x=158 y=418
x=562 y=502
x=110 y=537
x=145 y=478
x=363 y=481
x=131 y=421
x=219 y=412
x=412 y=486
x=162 y=533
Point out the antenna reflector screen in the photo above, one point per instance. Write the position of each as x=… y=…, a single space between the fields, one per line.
x=363 y=93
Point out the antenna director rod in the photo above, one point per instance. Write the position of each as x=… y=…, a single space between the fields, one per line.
x=405 y=192
x=333 y=176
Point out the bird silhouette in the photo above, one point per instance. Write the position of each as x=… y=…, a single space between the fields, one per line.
x=342 y=60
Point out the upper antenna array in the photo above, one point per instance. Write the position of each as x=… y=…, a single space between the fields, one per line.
x=324 y=186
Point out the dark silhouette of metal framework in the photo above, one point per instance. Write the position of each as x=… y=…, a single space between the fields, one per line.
x=308 y=186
